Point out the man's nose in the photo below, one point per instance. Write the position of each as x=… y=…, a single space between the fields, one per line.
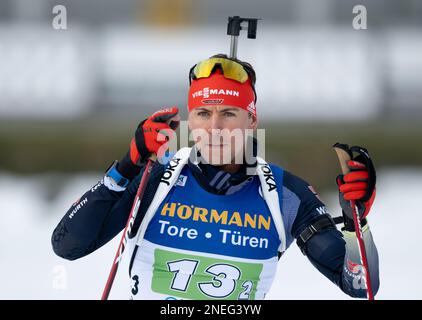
x=215 y=124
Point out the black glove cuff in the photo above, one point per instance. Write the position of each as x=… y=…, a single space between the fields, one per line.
x=127 y=168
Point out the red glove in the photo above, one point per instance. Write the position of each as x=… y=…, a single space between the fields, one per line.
x=151 y=136
x=357 y=185
x=354 y=186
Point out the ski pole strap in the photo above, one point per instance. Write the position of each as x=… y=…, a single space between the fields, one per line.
x=338 y=220
x=323 y=222
x=348 y=223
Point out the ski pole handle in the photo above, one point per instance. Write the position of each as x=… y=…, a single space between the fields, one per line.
x=343 y=157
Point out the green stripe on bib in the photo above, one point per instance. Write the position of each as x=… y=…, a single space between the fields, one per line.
x=198 y=277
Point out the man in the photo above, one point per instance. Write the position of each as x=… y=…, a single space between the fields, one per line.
x=211 y=226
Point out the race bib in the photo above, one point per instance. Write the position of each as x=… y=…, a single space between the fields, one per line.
x=198 y=277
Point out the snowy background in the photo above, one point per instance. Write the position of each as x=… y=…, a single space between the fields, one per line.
x=30 y=270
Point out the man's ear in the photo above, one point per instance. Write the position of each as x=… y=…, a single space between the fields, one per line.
x=253 y=121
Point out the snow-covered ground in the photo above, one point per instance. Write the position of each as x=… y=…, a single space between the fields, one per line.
x=30 y=208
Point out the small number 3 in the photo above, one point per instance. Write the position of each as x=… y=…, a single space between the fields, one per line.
x=135 y=285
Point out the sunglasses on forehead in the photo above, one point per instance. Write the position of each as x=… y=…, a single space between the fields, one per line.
x=231 y=69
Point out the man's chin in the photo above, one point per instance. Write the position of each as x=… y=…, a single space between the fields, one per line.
x=213 y=159
x=219 y=155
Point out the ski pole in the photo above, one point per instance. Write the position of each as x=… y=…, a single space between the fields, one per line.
x=344 y=156
x=129 y=225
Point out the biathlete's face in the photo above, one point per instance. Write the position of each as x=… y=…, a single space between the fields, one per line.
x=219 y=132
